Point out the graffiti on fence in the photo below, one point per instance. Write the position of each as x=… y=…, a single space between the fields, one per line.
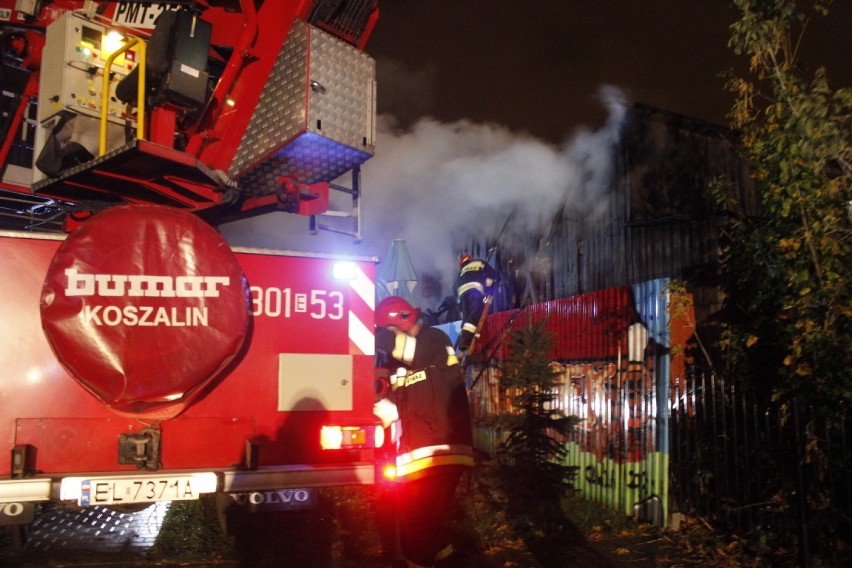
x=618 y=359
x=596 y=475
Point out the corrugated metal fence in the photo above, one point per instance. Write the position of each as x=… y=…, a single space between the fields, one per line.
x=777 y=474
x=655 y=438
x=612 y=356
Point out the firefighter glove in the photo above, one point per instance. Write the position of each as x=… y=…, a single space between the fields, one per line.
x=386 y=411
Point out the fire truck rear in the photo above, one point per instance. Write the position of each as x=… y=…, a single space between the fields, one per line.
x=142 y=358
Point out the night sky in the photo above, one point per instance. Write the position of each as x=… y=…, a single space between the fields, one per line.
x=491 y=106
x=537 y=65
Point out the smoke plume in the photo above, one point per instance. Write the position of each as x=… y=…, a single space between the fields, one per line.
x=439 y=186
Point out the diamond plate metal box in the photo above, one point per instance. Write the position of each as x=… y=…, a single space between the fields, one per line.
x=316 y=117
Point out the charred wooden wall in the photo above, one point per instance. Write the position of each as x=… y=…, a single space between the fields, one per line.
x=667 y=166
x=656 y=218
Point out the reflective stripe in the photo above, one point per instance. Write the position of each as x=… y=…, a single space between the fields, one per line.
x=408 y=350
x=425 y=452
x=431 y=456
x=361 y=309
x=365 y=288
x=398 y=346
x=403 y=348
x=452 y=359
x=471 y=327
x=395 y=431
x=361 y=335
x=471 y=286
x=432 y=461
x=473 y=265
x=395 y=377
x=445 y=552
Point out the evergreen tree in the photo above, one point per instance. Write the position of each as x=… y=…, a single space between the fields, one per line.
x=534 y=452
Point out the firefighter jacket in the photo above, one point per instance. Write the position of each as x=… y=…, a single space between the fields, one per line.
x=431 y=401
x=476 y=277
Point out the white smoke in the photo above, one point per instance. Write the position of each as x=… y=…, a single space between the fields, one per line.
x=438 y=186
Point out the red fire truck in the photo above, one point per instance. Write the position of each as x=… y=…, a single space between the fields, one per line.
x=141 y=357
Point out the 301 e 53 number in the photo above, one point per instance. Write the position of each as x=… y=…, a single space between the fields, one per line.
x=283 y=302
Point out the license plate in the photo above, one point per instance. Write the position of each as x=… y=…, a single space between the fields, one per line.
x=137 y=488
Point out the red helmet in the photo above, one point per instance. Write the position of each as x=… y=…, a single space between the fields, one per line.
x=465 y=258
x=394 y=310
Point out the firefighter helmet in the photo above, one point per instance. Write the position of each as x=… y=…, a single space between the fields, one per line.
x=394 y=310
x=465 y=258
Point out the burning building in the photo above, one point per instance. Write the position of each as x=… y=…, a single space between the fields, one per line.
x=600 y=272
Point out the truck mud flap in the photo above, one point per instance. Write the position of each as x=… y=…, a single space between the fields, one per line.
x=16 y=513
x=231 y=507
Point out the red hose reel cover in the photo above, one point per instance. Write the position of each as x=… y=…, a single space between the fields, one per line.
x=145 y=306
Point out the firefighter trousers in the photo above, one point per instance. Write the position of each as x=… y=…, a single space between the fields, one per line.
x=425 y=508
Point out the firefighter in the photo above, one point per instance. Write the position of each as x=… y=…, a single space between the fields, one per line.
x=427 y=408
x=475 y=282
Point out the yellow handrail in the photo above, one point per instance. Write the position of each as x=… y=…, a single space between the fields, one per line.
x=140 y=92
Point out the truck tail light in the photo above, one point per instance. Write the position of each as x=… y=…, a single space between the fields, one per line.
x=389 y=472
x=352 y=437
